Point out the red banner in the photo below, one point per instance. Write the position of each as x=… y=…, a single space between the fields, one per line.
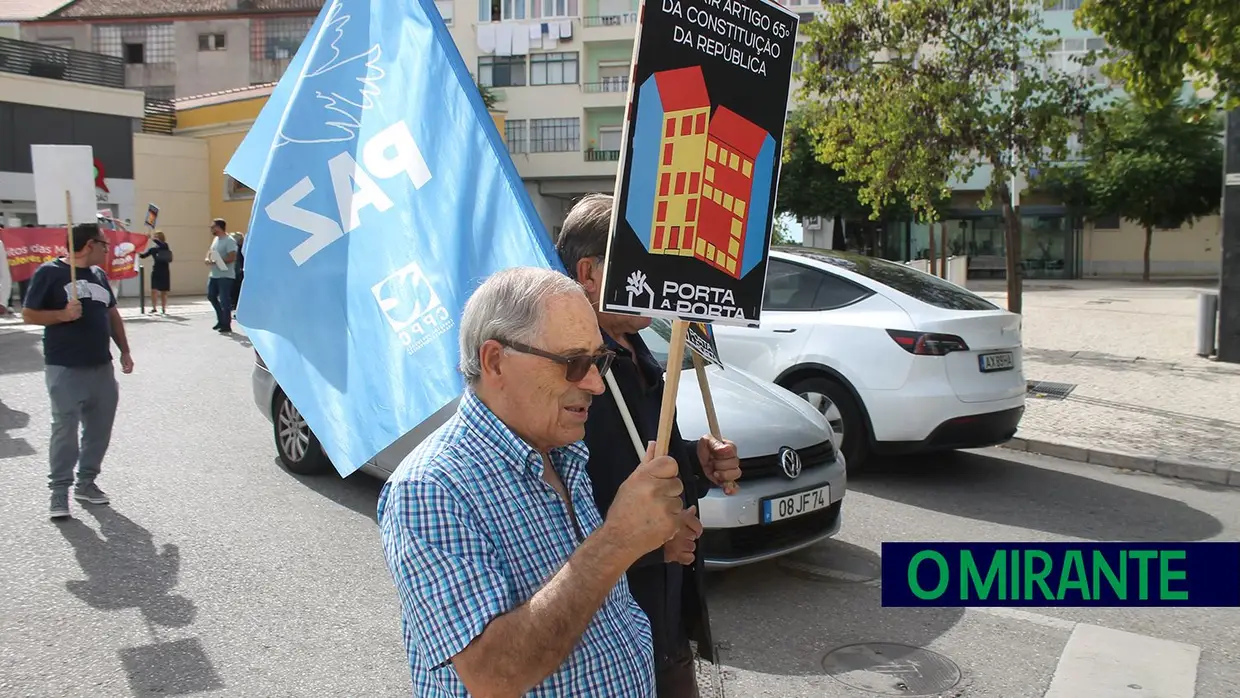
x=27 y=248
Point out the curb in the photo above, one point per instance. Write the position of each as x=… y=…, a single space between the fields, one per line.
x=1181 y=470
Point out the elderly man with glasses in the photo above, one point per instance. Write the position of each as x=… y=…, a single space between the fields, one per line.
x=510 y=581
x=80 y=379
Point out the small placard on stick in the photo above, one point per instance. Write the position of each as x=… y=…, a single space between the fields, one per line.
x=61 y=169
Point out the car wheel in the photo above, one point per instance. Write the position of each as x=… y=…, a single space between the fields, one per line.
x=835 y=403
x=299 y=450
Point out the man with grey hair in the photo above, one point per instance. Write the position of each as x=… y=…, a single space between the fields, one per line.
x=510 y=581
x=667 y=583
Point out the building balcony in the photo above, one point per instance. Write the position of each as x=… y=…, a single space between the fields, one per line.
x=615 y=27
x=569 y=164
x=610 y=92
x=56 y=63
x=595 y=155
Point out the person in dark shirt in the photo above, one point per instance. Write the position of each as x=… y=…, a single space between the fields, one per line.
x=668 y=584
x=161 y=276
x=80 y=381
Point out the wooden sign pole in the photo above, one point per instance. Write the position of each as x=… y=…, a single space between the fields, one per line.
x=667 y=413
x=69 y=245
x=699 y=367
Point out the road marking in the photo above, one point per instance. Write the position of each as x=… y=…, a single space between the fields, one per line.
x=1103 y=663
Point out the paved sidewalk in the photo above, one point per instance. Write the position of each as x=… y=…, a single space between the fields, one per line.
x=180 y=308
x=1140 y=397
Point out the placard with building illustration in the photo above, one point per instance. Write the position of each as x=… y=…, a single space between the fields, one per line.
x=699 y=167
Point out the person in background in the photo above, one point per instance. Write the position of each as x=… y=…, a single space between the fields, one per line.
x=161 y=277
x=509 y=580
x=81 y=383
x=668 y=583
x=220 y=280
x=238 y=238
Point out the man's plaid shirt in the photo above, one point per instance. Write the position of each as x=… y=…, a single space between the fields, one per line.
x=471 y=530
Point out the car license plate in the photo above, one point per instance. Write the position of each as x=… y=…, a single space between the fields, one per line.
x=1000 y=361
x=788 y=506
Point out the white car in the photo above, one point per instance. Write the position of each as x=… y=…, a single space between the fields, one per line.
x=899 y=361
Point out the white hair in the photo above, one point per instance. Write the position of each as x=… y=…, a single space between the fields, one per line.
x=510 y=306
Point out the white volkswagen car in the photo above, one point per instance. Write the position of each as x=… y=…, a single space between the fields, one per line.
x=792 y=478
x=899 y=361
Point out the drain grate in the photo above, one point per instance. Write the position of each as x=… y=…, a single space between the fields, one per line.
x=1048 y=390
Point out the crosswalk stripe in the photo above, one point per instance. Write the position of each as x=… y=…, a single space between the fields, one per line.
x=1101 y=662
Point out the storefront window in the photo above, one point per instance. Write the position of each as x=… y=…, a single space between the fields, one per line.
x=1045 y=245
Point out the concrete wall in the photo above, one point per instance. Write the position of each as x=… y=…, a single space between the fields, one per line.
x=200 y=72
x=1191 y=251
x=171 y=172
x=75 y=96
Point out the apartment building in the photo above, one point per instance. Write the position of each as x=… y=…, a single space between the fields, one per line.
x=181 y=49
x=560 y=71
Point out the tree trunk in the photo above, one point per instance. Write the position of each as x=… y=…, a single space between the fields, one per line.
x=1149 y=238
x=933 y=253
x=837 y=233
x=1011 y=224
x=943 y=244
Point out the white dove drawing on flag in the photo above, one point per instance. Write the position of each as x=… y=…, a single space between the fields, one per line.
x=342 y=87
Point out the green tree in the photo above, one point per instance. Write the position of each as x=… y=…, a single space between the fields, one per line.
x=914 y=95
x=1158 y=166
x=808 y=186
x=488 y=96
x=779 y=232
x=1154 y=45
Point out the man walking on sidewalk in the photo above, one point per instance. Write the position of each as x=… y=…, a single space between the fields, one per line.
x=220 y=279
x=81 y=383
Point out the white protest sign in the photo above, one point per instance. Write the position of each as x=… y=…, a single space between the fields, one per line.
x=61 y=169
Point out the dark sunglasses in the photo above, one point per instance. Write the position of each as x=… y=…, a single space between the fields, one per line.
x=575 y=367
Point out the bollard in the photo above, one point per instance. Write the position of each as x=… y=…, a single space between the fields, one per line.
x=1207 y=321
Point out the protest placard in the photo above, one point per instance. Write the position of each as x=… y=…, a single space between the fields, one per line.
x=700 y=163
x=64 y=190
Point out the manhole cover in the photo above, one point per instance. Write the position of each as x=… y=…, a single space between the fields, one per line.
x=891 y=670
x=829 y=563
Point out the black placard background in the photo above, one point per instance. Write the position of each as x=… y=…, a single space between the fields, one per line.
x=758 y=98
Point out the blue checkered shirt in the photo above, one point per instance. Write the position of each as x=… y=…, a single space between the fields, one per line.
x=471 y=530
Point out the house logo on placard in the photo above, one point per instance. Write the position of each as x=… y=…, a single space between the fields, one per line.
x=411 y=307
x=636 y=286
x=702 y=174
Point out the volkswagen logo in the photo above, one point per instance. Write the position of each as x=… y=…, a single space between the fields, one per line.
x=790 y=461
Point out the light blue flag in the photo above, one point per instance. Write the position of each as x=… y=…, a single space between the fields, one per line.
x=388 y=198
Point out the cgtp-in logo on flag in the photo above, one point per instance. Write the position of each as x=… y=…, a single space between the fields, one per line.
x=412 y=307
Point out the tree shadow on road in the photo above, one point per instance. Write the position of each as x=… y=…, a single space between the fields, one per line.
x=1025 y=496
x=124 y=570
x=782 y=619
x=10 y=419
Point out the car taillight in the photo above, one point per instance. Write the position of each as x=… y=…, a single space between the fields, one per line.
x=928 y=343
x=259 y=360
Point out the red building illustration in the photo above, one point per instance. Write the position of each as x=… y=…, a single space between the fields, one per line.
x=699 y=184
x=727 y=187
x=682 y=150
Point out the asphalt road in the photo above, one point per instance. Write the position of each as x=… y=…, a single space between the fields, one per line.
x=216 y=571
